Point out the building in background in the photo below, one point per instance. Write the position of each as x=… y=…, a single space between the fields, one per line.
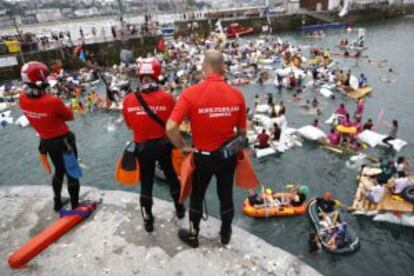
x=320 y=5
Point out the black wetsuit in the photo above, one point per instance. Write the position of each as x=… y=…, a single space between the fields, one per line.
x=56 y=147
x=148 y=154
x=223 y=170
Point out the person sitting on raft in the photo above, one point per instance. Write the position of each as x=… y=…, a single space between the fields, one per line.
x=263 y=140
x=277 y=131
x=327 y=206
x=347 y=81
x=300 y=195
x=341 y=110
x=401 y=165
x=363 y=81
x=339 y=239
x=282 y=108
x=273 y=113
x=334 y=138
x=292 y=82
x=375 y=194
x=354 y=144
x=255 y=199
x=368 y=125
x=346 y=122
x=393 y=133
x=400 y=183
x=268 y=197
x=357 y=124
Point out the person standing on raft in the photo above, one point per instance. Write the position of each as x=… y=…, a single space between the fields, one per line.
x=152 y=144
x=215 y=109
x=48 y=116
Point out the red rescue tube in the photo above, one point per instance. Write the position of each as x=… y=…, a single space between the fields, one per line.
x=40 y=242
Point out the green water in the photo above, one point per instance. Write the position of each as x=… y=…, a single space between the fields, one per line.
x=385 y=249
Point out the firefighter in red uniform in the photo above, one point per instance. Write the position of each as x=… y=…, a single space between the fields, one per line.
x=48 y=115
x=152 y=144
x=215 y=109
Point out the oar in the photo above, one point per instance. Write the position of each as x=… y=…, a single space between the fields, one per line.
x=379 y=120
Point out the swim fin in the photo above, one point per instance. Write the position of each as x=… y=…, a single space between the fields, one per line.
x=177 y=160
x=71 y=165
x=127 y=167
x=186 y=177
x=245 y=175
x=45 y=163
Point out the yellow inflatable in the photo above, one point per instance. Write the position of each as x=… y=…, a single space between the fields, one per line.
x=263 y=211
x=346 y=130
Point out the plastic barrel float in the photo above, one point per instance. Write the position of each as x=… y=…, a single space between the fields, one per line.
x=40 y=242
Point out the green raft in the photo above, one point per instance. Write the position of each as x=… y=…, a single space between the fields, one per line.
x=313 y=212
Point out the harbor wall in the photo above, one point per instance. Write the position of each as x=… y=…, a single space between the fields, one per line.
x=107 y=53
x=294 y=21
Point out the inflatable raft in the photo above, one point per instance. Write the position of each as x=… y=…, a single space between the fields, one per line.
x=374 y=139
x=392 y=209
x=355 y=93
x=313 y=211
x=263 y=211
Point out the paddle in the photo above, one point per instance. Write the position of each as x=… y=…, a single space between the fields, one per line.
x=379 y=120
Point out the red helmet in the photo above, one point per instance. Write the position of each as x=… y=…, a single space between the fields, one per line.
x=34 y=72
x=327 y=196
x=149 y=67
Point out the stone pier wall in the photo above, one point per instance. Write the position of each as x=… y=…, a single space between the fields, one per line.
x=107 y=53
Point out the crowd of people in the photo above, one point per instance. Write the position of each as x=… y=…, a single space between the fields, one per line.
x=199 y=72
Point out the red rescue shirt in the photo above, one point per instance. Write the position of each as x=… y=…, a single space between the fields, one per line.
x=214 y=109
x=145 y=128
x=47 y=115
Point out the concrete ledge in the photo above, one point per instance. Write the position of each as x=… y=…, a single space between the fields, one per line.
x=113 y=241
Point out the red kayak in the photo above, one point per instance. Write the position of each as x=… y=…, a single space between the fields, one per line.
x=235 y=30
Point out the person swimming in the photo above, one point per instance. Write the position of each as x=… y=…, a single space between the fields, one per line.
x=315 y=123
x=315 y=103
